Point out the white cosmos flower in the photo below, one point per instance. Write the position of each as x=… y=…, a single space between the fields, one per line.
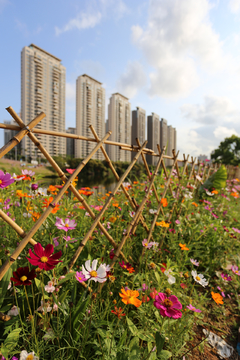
x=199 y=278
x=91 y=273
x=151 y=211
x=28 y=356
x=171 y=279
x=45 y=308
x=14 y=311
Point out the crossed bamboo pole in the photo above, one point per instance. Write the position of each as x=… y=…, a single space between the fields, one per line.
x=46 y=213
x=105 y=207
x=63 y=177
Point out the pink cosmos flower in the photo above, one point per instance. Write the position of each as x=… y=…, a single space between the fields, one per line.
x=5 y=179
x=80 y=276
x=190 y=307
x=236 y=230
x=28 y=172
x=68 y=238
x=168 y=306
x=55 y=240
x=44 y=258
x=177 y=222
x=66 y=224
x=234 y=269
x=70 y=171
x=146 y=244
x=194 y=262
x=91 y=273
x=226 y=277
x=222 y=293
x=49 y=287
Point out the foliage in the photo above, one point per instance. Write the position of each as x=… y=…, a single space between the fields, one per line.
x=59 y=318
x=228 y=152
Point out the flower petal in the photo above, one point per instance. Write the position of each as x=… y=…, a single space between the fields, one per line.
x=87 y=264
x=94 y=264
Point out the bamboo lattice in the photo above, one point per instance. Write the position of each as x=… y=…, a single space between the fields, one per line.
x=137 y=220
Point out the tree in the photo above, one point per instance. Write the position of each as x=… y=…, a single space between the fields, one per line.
x=228 y=152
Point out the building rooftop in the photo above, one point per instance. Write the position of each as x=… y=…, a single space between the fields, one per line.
x=38 y=48
x=92 y=78
x=121 y=95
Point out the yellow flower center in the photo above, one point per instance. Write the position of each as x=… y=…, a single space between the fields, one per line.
x=44 y=259
x=167 y=303
x=66 y=225
x=30 y=357
x=198 y=278
x=0 y=182
x=23 y=278
x=93 y=273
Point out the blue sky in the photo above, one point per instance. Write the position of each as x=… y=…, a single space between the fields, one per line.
x=177 y=58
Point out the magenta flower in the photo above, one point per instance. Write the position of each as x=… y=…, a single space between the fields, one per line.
x=168 y=306
x=226 y=277
x=80 y=276
x=177 y=222
x=190 y=307
x=235 y=270
x=68 y=238
x=5 y=179
x=66 y=224
x=44 y=258
x=125 y=266
x=236 y=230
x=146 y=244
x=34 y=186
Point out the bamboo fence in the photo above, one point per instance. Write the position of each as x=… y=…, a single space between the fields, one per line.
x=189 y=172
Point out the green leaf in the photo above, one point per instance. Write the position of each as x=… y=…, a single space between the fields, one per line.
x=134 y=350
x=10 y=342
x=160 y=340
x=165 y=354
x=157 y=276
x=131 y=326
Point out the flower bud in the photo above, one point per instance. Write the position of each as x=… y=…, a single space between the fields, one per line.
x=34 y=186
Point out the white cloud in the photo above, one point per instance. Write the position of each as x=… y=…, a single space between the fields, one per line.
x=234 y=6
x=82 y=21
x=177 y=39
x=222 y=132
x=96 y=11
x=213 y=110
x=132 y=80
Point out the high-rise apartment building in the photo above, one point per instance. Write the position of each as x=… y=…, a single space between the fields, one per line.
x=43 y=89
x=170 y=143
x=70 y=143
x=138 y=128
x=153 y=126
x=119 y=111
x=90 y=110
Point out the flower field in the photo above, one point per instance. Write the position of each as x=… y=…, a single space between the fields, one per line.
x=152 y=304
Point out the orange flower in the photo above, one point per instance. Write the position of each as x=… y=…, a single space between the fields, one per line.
x=131 y=270
x=162 y=224
x=52 y=189
x=217 y=298
x=130 y=297
x=115 y=205
x=214 y=192
x=195 y=204
x=235 y=194
x=183 y=200
x=183 y=247
x=47 y=202
x=118 y=312
x=164 y=202
x=35 y=215
x=112 y=219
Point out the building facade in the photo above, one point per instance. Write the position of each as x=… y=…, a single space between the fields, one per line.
x=8 y=135
x=119 y=111
x=153 y=126
x=138 y=128
x=70 y=143
x=90 y=110
x=43 y=89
